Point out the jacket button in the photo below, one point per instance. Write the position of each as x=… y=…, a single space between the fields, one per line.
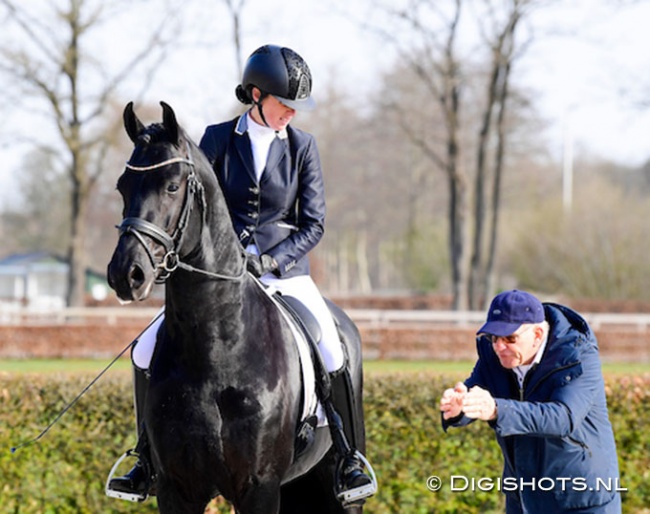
x=254 y=190
x=253 y=215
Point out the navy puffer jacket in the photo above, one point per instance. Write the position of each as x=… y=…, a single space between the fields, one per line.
x=554 y=432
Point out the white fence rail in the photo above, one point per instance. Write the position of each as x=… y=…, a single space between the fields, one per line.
x=377 y=317
x=363 y=317
x=109 y=315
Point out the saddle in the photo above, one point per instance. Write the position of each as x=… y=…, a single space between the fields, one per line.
x=301 y=315
x=312 y=367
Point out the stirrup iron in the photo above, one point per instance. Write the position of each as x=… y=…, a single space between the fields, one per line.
x=352 y=496
x=120 y=495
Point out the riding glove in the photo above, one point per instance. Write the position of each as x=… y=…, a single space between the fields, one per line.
x=259 y=265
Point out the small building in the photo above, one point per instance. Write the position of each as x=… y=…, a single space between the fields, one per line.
x=39 y=280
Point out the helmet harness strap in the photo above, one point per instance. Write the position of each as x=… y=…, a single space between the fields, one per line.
x=258 y=103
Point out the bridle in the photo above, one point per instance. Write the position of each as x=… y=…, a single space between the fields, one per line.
x=139 y=227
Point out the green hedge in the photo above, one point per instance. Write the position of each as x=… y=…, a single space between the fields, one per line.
x=66 y=470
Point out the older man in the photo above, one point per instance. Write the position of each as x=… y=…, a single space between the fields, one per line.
x=539 y=385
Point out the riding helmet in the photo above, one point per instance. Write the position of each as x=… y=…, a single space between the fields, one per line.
x=278 y=71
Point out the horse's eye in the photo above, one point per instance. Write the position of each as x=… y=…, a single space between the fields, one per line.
x=172 y=188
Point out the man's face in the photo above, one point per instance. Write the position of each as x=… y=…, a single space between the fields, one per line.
x=518 y=348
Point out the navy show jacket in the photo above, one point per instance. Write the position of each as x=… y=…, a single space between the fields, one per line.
x=283 y=215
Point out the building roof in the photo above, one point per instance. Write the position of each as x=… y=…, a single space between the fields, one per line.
x=26 y=259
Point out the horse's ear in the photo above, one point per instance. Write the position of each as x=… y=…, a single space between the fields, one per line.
x=132 y=124
x=170 y=123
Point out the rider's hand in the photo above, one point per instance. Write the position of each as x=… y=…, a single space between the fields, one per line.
x=259 y=265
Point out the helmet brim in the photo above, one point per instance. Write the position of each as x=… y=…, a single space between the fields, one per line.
x=308 y=104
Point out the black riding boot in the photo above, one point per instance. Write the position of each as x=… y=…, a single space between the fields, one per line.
x=136 y=484
x=352 y=483
x=335 y=393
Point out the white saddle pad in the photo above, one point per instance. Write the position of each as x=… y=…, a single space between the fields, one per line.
x=311 y=405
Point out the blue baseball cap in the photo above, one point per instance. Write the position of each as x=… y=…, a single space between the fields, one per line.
x=510 y=310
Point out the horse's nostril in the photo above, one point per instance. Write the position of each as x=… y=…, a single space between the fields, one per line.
x=136 y=276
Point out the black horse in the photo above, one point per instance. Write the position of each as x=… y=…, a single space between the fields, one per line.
x=225 y=389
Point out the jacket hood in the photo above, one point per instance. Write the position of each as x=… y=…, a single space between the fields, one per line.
x=565 y=322
x=570 y=337
x=565 y=319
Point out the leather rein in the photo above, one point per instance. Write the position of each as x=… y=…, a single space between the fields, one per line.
x=139 y=227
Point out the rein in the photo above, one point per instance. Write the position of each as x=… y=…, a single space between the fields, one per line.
x=139 y=227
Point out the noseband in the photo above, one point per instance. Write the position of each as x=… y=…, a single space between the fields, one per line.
x=139 y=227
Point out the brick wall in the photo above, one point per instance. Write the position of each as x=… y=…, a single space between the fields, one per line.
x=438 y=343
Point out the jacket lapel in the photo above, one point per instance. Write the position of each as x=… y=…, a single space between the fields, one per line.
x=243 y=146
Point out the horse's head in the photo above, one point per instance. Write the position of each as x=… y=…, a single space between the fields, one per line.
x=158 y=188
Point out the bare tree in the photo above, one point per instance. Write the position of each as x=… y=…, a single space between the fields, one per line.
x=499 y=36
x=29 y=223
x=351 y=188
x=236 y=7
x=426 y=35
x=45 y=54
x=435 y=63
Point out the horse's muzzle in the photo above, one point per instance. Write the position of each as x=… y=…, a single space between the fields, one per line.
x=130 y=272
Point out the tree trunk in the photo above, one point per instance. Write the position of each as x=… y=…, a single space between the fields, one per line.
x=489 y=278
x=458 y=203
x=481 y=283
x=475 y=278
x=77 y=250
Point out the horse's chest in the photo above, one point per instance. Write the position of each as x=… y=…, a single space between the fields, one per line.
x=236 y=404
x=209 y=410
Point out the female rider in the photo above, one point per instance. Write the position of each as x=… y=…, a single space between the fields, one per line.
x=272 y=180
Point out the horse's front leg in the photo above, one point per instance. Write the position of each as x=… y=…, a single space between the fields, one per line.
x=171 y=500
x=173 y=503
x=260 y=498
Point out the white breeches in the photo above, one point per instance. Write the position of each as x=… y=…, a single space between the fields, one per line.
x=304 y=288
x=301 y=287
x=146 y=343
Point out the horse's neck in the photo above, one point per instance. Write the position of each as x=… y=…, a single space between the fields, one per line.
x=218 y=251
x=209 y=288
x=213 y=272
x=200 y=312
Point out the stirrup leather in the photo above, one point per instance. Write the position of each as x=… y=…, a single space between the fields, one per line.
x=120 y=495
x=352 y=496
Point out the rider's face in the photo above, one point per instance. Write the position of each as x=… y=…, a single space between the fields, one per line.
x=276 y=114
